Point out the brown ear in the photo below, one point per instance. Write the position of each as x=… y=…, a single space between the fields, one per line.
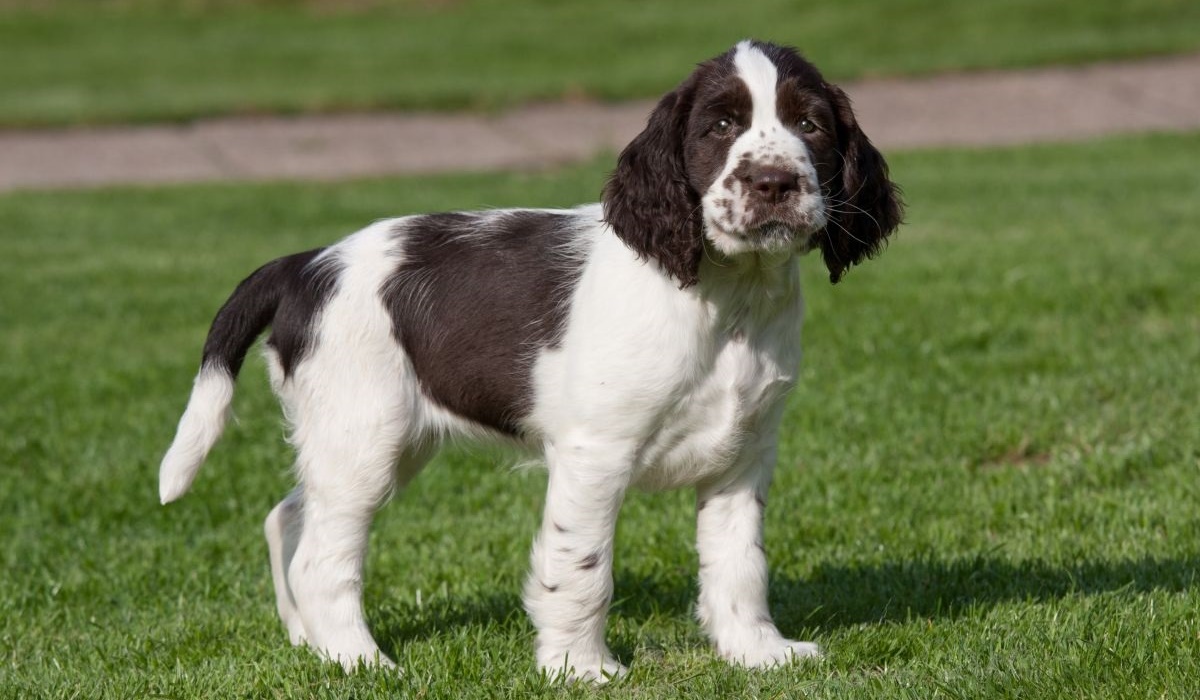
x=648 y=201
x=866 y=204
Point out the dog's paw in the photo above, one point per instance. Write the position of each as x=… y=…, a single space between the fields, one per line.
x=771 y=652
x=295 y=629
x=598 y=670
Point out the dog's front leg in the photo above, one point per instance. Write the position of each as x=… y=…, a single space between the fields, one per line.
x=733 y=568
x=570 y=581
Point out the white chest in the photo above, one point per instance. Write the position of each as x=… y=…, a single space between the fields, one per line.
x=669 y=386
x=709 y=429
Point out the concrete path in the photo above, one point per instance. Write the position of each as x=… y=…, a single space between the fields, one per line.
x=990 y=108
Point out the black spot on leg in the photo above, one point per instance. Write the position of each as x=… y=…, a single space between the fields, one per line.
x=589 y=562
x=559 y=528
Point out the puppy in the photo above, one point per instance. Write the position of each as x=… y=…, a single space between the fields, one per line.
x=649 y=340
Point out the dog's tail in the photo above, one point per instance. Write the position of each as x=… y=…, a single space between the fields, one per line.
x=249 y=310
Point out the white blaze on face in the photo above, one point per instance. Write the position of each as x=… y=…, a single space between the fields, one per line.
x=727 y=206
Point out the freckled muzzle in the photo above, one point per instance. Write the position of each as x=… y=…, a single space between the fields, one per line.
x=769 y=211
x=777 y=202
x=781 y=205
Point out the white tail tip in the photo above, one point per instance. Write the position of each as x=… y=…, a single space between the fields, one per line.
x=199 y=429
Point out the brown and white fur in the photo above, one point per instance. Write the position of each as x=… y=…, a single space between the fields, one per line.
x=647 y=341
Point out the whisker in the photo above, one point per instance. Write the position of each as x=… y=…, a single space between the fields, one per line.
x=846 y=231
x=832 y=247
x=855 y=209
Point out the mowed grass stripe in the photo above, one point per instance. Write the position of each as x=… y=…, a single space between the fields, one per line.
x=80 y=61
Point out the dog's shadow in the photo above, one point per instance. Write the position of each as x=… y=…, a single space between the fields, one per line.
x=833 y=596
x=839 y=596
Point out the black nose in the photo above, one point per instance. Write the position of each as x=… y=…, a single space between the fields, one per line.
x=771 y=184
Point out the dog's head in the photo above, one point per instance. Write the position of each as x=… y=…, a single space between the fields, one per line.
x=753 y=153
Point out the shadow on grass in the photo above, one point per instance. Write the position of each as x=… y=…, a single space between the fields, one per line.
x=834 y=595
x=398 y=624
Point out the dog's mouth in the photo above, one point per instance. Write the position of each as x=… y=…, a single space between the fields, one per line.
x=772 y=236
x=793 y=227
x=796 y=215
x=788 y=225
x=774 y=231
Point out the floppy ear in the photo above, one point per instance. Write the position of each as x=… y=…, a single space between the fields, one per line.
x=866 y=204
x=648 y=201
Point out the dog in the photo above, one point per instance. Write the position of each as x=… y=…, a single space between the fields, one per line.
x=646 y=341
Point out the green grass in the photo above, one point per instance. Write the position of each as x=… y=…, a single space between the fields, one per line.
x=988 y=483
x=87 y=61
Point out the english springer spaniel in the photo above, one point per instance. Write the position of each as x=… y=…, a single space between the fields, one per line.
x=649 y=340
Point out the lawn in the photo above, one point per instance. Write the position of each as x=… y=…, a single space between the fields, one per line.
x=988 y=482
x=87 y=61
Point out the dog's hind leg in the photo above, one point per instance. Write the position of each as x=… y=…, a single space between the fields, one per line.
x=353 y=429
x=345 y=482
x=282 y=529
x=356 y=423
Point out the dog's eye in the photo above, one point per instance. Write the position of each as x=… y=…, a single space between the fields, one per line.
x=807 y=126
x=723 y=127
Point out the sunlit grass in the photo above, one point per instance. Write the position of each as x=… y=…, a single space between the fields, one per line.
x=987 y=484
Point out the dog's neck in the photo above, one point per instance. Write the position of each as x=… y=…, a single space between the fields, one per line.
x=753 y=287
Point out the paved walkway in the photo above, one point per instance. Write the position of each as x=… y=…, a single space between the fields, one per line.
x=990 y=108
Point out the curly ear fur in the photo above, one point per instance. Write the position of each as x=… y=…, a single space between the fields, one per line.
x=648 y=201
x=866 y=205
